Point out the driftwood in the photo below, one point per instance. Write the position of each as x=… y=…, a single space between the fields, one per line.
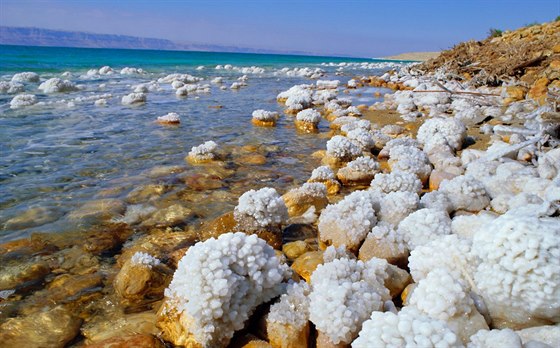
x=526 y=64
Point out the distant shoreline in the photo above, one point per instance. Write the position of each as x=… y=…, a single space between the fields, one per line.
x=416 y=56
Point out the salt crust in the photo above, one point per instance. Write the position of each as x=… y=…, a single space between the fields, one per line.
x=344 y=293
x=405 y=141
x=363 y=165
x=205 y=151
x=293 y=307
x=465 y=192
x=11 y=87
x=133 y=98
x=219 y=283
x=263 y=115
x=260 y=209
x=466 y=226
x=22 y=100
x=520 y=257
x=441 y=296
x=385 y=233
x=25 y=77
x=171 y=117
x=322 y=173
x=56 y=85
x=395 y=206
x=144 y=259
x=356 y=124
x=423 y=226
x=342 y=148
x=410 y=159
x=327 y=84
x=348 y=221
x=362 y=138
x=396 y=181
x=442 y=131
x=505 y=338
x=408 y=328
x=309 y=116
x=312 y=189
x=436 y=200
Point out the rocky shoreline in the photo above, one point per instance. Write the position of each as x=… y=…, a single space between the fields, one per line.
x=431 y=219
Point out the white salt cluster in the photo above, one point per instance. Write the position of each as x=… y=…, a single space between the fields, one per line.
x=423 y=226
x=260 y=209
x=219 y=283
x=205 y=151
x=56 y=85
x=465 y=193
x=348 y=221
x=436 y=200
x=322 y=173
x=344 y=293
x=410 y=159
x=144 y=259
x=405 y=141
x=323 y=96
x=27 y=76
x=293 y=307
x=263 y=115
x=518 y=274
x=363 y=165
x=408 y=328
x=442 y=131
x=11 y=87
x=327 y=84
x=362 y=138
x=395 y=206
x=171 y=117
x=441 y=296
x=356 y=124
x=303 y=72
x=184 y=78
x=311 y=189
x=298 y=97
x=506 y=338
x=131 y=71
x=447 y=251
x=396 y=181
x=309 y=116
x=386 y=234
x=22 y=100
x=133 y=98
x=342 y=148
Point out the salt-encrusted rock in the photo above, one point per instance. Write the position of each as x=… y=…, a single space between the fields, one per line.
x=22 y=100
x=392 y=130
x=408 y=328
x=396 y=181
x=404 y=141
x=326 y=176
x=549 y=164
x=395 y=206
x=260 y=210
x=217 y=286
x=362 y=138
x=131 y=71
x=11 y=87
x=442 y=297
x=48 y=328
x=437 y=176
x=358 y=172
x=287 y=323
x=442 y=131
x=264 y=118
x=517 y=275
x=56 y=85
x=495 y=338
x=547 y=334
x=423 y=226
x=436 y=200
x=344 y=293
x=465 y=193
x=141 y=278
x=203 y=153
x=106 y=70
x=356 y=124
x=466 y=226
x=307 y=120
x=384 y=242
x=411 y=160
x=327 y=84
x=300 y=199
x=170 y=118
x=348 y=221
x=307 y=263
x=342 y=149
x=25 y=77
x=134 y=98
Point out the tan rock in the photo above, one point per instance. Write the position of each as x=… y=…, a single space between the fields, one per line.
x=52 y=328
x=349 y=177
x=397 y=280
x=19 y=274
x=437 y=176
x=174 y=327
x=323 y=341
x=31 y=217
x=293 y=250
x=98 y=211
x=252 y=159
x=299 y=201
x=538 y=90
x=203 y=182
x=306 y=264
x=306 y=127
x=373 y=247
x=467 y=325
x=145 y=193
x=260 y=123
x=113 y=326
x=171 y=216
x=136 y=341
x=288 y=336
x=223 y=224
x=516 y=92
x=556 y=48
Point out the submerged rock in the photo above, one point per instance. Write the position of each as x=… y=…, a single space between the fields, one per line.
x=32 y=217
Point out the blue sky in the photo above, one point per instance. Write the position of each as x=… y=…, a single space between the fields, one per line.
x=352 y=27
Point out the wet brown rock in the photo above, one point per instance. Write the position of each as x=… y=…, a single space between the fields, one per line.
x=173 y=215
x=298 y=201
x=288 y=336
x=306 y=127
x=397 y=280
x=146 y=193
x=102 y=329
x=252 y=159
x=52 y=328
x=17 y=274
x=306 y=264
x=174 y=327
x=35 y=216
x=222 y=224
x=103 y=239
x=160 y=171
x=203 y=182
x=538 y=90
x=98 y=211
x=293 y=250
x=260 y=123
x=136 y=341
x=73 y=260
x=295 y=232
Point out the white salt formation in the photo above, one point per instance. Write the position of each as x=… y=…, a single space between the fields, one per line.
x=217 y=286
x=395 y=206
x=25 y=77
x=362 y=138
x=11 y=87
x=465 y=193
x=359 y=171
x=342 y=149
x=263 y=115
x=145 y=259
x=309 y=116
x=170 y=118
x=134 y=98
x=260 y=210
x=56 y=85
x=423 y=226
x=204 y=152
x=396 y=181
x=442 y=131
x=505 y=338
x=22 y=100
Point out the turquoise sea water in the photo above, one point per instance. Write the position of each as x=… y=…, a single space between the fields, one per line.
x=65 y=151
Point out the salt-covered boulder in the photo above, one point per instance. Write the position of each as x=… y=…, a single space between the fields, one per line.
x=344 y=293
x=396 y=181
x=411 y=160
x=404 y=141
x=11 y=87
x=517 y=275
x=363 y=138
x=217 y=286
x=203 y=153
x=423 y=226
x=356 y=124
x=395 y=206
x=347 y=222
x=22 y=100
x=260 y=210
x=134 y=98
x=495 y=338
x=326 y=176
x=436 y=200
x=300 y=199
x=342 y=149
x=131 y=71
x=307 y=120
x=384 y=242
x=25 y=77
x=358 y=172
x=465 y=193
x=264 y=118
x=442 y=131
x=56 y=85
x=170 y=118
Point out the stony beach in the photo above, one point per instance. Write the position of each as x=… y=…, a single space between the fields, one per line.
x=429 y=218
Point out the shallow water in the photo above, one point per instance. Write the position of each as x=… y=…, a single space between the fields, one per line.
x=65 y=152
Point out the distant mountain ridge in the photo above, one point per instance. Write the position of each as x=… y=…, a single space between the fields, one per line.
x=60 y=38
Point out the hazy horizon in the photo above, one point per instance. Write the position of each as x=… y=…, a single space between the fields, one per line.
x=350 y=28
